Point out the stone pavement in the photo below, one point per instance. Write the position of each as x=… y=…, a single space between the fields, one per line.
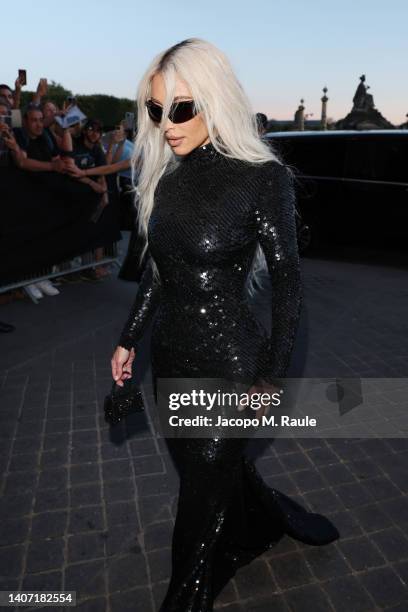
x=87 y=509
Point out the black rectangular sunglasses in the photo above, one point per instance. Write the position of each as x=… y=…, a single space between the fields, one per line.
x=180 y=112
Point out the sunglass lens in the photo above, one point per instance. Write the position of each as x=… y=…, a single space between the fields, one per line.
x=182 y=112
x=155 y=111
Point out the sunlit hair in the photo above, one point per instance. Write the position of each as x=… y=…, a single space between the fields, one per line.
x=225 y=108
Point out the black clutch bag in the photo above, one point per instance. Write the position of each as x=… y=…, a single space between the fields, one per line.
x=122 y=401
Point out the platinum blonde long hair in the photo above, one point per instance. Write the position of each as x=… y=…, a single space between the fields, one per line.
x=226 y=110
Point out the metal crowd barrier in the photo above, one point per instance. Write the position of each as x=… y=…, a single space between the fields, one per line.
x=80 y=262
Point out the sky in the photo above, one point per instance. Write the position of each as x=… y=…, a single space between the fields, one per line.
x=281 y=51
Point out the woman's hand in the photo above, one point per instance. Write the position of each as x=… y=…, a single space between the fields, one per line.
x=69 y=164
x=121 y=363
x=75 y=172
x=57 y=164
x=261 y=386
x=18 y=84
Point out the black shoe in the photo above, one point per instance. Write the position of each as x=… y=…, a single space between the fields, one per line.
x=6 y=327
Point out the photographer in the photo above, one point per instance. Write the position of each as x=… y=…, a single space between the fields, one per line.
x=42 y=204
x=19 y=156
x=10 y=152
x=42 y=89
x=50 y=111
x=8 y=143
x=87 y=154
x=39 y=150
x=120 y=149
x=132 y=268
x=13 y=98
x=7 y=93
x=5 y=129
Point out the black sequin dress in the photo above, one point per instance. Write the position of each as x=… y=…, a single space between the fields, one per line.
x=209 y=215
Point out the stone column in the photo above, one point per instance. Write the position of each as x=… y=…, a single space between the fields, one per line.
x=324 y=99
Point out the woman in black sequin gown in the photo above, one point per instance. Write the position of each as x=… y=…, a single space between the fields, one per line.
x=211 y=211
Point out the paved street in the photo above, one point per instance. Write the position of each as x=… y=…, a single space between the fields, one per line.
x=88 y=509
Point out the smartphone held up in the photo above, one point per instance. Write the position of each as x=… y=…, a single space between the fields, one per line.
x=22 y=77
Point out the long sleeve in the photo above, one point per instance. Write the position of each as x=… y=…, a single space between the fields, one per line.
x=145 y=304
x=276 y=226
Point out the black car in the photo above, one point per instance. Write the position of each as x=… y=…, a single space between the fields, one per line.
x=351 y=186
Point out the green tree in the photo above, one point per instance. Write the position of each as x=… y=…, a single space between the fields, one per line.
x=108 y=109
x=56 y=92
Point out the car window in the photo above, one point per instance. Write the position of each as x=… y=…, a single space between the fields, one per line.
x=381 y=157
x=391 y=159
x=313 y=155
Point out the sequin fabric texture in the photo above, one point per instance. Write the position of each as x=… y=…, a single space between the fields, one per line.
x=209 y=215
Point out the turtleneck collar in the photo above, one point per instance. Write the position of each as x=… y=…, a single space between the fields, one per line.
x=202 y=155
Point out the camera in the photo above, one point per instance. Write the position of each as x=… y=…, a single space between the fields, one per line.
x=12 y=120
x=7 y=119
x=129 y=122
x=4 y=119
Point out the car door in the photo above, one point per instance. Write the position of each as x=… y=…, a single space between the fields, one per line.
x=376 y=187
x=318 y=159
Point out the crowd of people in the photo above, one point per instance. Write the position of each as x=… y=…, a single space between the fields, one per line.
x=66 y=190
x=66 y=186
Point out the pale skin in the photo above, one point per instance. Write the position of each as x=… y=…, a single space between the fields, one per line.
x=182 y=138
